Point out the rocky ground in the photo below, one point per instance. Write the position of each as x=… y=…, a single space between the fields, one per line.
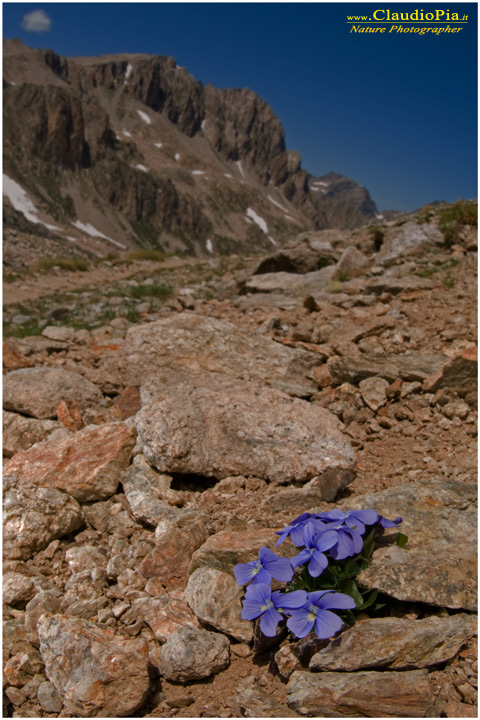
x=162 y=420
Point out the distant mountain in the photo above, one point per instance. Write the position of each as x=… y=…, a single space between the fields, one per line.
x=122 y=151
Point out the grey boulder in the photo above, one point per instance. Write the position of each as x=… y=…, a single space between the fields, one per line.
x=213 y=425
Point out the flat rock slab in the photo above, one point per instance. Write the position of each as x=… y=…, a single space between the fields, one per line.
x=192 y=654
x=265 y=301
x=396 y=643
x=360 y=694
x=323 y=488
x=34 y=517
x=95 y=672
x=204 y=343
x=275 y=282
x=409 y=366
x=227 y=548
x=217 y=426
x=215 y=598
x=396 y=285
x=300 y=257
x=87 y=465
x=438 y=564
x=38 y=391
x=409 y=238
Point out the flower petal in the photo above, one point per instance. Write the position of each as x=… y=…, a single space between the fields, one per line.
x=283 y=535
x=369 y=517
x=296 y=536
x=340 y=601
x=335 y=514
x=301 y=558
x=244 y=572
x=317 y=564
x=390 y=523
x=294 y=599
x=269 y=622
x=327 y=624
x=309 y=533
x=263 y=576
x=326 y=540
x=355 y=524
x=357 y=541
x=344 y=547
x=315 y=596
x=280 y=569
x=250 y=610
x=300 y=622
x=260 y=593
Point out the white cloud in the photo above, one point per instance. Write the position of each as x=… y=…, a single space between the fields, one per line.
x=36 y=21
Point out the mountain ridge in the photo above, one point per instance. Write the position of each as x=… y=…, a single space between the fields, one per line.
x=136 y=149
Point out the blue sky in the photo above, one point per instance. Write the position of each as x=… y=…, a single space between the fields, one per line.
x=396 y=112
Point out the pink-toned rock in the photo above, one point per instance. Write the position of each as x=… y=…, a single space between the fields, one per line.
x=43 y=602
x=36 y=516
x=217 y=346
x=164 y=614
x=69 y=414
x=97 y=673
x=396 y=643
x=286 y=661
x=127 y=403
x=86 y=465
x=14 y=360
x=38 y=391
x=361 y=694
x=227 y=548
x=215 y=598
x=170 y=559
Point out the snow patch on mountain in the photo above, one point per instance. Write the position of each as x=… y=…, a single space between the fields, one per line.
x=21 y=202
x=251 y=214
x=144 y=117
x=90 y=230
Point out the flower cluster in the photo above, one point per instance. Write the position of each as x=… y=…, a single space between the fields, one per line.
x=326 y=540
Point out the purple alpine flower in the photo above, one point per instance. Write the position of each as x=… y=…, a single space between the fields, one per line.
x=261 y=602
x=390 y=523
x=295 y=527
x=316 y=612
x=354 y=519
x=268 y=566
x=349 y=542
x=315 y=546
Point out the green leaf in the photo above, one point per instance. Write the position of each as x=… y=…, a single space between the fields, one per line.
x=402 y=540
x=369 y=601
x=351 y=568
x=351 y=589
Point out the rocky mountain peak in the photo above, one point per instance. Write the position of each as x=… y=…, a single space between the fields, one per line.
x=138 y=151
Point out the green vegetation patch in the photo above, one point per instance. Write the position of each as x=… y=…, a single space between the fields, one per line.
x=146 y=254
x=452 y=219
x=65 y=263
x=162 y=292
x=432 y=270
